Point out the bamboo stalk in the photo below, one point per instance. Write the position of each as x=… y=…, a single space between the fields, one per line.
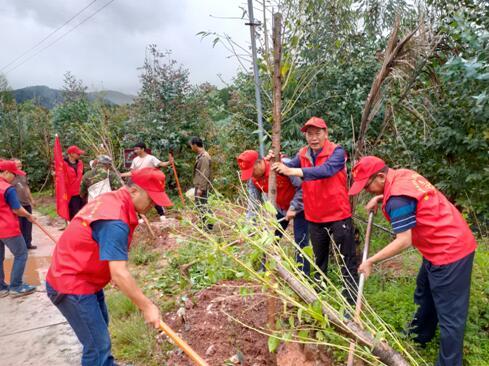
x=176 y=179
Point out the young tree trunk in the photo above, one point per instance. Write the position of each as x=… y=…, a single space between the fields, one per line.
x=277 y=114
x=277 y=101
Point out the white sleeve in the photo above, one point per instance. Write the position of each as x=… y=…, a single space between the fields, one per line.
x=155 y=161
x=133 y=164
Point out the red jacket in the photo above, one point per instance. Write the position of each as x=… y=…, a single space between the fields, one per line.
x=441 y=234
x=325 y=200
x=285 y=188
x=9 y=222
x=73 y=179
x=75 y=265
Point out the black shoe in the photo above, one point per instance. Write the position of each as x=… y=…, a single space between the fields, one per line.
x=32 y=247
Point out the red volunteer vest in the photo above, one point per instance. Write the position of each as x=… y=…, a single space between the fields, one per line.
x=75 y=265
x=441 y=234
x=325 y=200
x=9 y=222
x=285 y=189
x=73 y=180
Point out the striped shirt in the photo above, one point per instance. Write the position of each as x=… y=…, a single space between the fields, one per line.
x=402 y=212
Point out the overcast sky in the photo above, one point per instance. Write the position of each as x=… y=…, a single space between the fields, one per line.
x=106 y=50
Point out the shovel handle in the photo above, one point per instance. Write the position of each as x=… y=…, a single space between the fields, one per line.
x=361 y=283
x=43 y=229
x=182 y=345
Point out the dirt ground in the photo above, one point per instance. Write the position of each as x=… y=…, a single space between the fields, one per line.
x=32 y=331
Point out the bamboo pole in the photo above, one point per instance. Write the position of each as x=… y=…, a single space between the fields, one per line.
x=361 y=284
x=182 y=345
x=349 y=328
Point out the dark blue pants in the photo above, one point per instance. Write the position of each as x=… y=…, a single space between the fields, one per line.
x=88 y=316
x=26 y=227
x=442 y=293
x=301 y=237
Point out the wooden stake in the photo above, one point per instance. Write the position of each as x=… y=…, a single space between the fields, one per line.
x=176 y=179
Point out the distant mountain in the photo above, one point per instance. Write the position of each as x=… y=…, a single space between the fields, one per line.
x=49 y=98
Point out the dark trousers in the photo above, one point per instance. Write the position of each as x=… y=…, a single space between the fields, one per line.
x=342 y=233
x=88 y=316
x=201 y=201
x=26 y=227
x=442 y=294
x=160 y=210
x=301 y=237
x=76 y=203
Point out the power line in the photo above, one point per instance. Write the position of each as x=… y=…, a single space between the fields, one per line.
x=61 y=37
x=47 y=37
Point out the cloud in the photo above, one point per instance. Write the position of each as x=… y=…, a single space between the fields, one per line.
x=106 y=51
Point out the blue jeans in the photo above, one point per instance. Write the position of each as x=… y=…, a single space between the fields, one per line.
x=88 y=316
x=16 y=245
x=301 y=237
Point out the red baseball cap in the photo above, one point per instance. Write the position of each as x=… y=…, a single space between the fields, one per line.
x=315 y=122
x=362 y=171
x=75 y=150
x=152 y=180
x=246 y=161
x=10 y=166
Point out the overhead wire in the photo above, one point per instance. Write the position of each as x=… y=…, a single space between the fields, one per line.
x=48 y=36
x=60 y=37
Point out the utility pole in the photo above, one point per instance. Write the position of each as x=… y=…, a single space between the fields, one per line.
x=252 y=25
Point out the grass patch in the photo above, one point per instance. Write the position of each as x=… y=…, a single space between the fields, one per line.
x=142 y=255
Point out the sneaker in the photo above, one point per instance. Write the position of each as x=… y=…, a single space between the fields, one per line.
x=22 y=290
x=4 y=292
x=32 y=247
x=141 y=221
x=163 y=218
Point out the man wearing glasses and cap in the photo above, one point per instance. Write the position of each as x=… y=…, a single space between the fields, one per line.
x=10 y=234
x=93 y=251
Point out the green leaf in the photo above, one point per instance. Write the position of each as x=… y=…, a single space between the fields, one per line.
x=273 y=343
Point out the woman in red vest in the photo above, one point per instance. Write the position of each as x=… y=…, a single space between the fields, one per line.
x=423 y=217
x=74 y=175
x=321 y=164
x=289 y=198
x=92 y=251
x=10 y=234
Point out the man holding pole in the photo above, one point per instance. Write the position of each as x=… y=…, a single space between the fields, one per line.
x=10 y=234
x=423 y=217
x=92 y=251
x=321 y=164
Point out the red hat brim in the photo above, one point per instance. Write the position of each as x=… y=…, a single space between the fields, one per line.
x=246 y=173
x=357 y=186
x=160 y=198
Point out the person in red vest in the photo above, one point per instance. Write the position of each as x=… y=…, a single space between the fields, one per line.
x=289 y=198
x=423 y=217
x=74 y=175
x=92 y=251
x=10 y=234
x=321 y=164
